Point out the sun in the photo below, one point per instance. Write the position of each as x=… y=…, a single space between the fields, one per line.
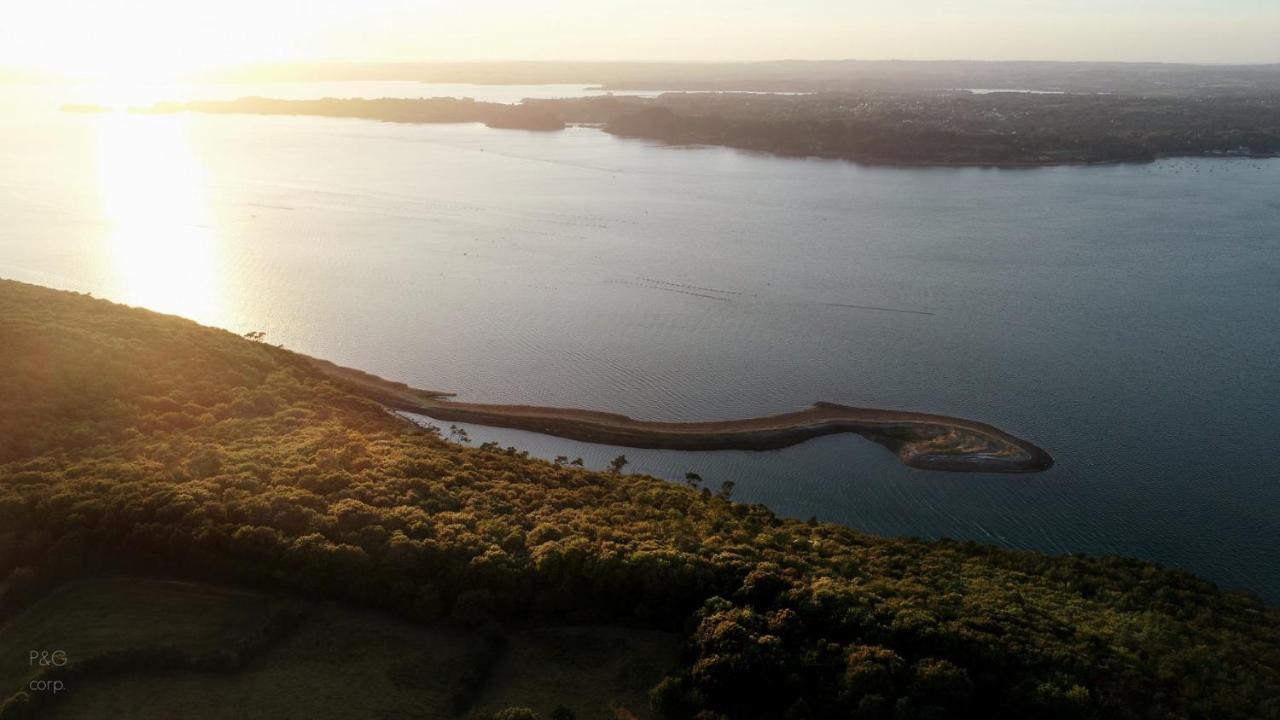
x=140 y=41
x=119 y=56
x=123 y=75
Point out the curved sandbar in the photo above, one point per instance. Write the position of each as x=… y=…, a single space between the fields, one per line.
x=920 y=440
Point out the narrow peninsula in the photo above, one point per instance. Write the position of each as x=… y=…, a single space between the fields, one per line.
x=920 y=440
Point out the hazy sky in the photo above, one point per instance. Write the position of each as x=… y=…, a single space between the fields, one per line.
x=154 y=37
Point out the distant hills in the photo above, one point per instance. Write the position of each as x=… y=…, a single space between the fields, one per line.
x=776 y=76
x=804 y=75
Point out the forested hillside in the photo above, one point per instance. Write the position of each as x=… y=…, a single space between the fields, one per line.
x=137 y=443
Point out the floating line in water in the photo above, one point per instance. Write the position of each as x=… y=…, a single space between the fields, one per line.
x=881 y=309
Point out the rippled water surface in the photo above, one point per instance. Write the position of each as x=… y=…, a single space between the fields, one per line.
x=1125 y=318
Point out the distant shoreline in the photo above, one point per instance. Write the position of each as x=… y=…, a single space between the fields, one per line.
x=996 y=130
x=920 y=440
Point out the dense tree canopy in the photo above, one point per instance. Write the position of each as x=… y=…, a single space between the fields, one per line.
x=131 y=441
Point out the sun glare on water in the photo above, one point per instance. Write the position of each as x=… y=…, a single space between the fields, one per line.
x=159 y=248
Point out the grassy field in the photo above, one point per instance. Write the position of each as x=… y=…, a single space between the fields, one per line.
x=339 y=662
x=596 y=672
x=87 y=618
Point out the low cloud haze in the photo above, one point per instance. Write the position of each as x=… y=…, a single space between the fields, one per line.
x=147 y=38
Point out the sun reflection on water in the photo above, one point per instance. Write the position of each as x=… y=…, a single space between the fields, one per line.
x=160 y=250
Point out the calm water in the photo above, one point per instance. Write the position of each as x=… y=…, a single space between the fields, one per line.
x=1124 y=318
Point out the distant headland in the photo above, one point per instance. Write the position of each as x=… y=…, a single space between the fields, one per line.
x=920 y=440
x=953 y=128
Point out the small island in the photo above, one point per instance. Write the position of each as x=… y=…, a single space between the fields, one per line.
x=920 y=440
x=440 y=110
